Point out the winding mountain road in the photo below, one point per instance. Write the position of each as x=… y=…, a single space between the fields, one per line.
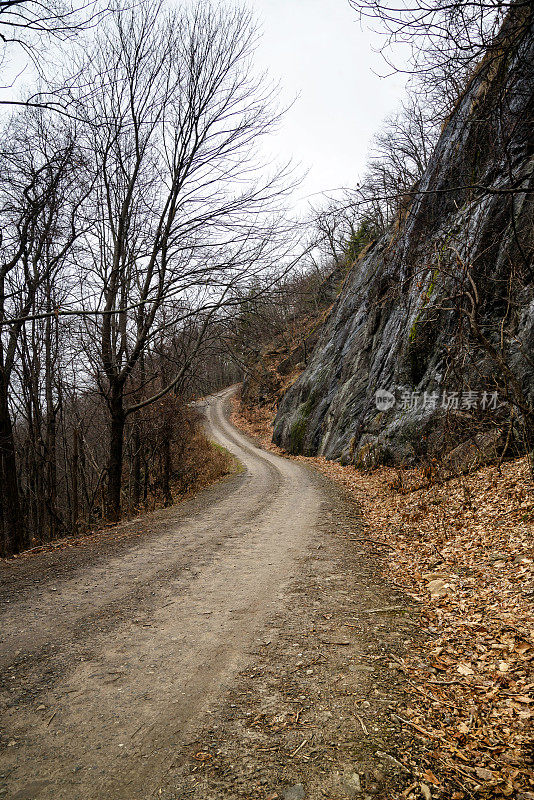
x=111 y=655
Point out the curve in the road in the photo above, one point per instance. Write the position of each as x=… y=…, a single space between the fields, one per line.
x=128 y=654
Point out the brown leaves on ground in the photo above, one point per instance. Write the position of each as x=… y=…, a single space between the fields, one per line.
x=464 y=550
x=256 y=421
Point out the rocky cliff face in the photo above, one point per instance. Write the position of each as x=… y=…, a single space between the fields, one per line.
x=444 y=304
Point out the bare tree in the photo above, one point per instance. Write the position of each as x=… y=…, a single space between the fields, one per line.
x=29 y=24
x=398 y=157
x=32 y=35
x=39 y=204
x=446 y=40
x=181 y=211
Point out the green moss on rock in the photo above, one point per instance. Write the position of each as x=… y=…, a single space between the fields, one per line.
x=297 y=432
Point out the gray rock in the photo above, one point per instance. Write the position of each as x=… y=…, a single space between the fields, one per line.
x=392 y=327
x=352 y=784
x=295 y=792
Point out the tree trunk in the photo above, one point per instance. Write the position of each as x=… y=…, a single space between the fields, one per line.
x=74 y=511
x=167 y=468
x=51 y=431
x=145 y=483
x=51 y=476
x=137 y=485
x=11 y=527
x=116 y=446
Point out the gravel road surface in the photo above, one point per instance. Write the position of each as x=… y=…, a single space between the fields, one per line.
x=112 y=654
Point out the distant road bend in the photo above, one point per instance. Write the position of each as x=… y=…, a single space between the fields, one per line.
x=112 y=653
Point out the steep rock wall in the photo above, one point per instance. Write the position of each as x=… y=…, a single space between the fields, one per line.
x=444 y=303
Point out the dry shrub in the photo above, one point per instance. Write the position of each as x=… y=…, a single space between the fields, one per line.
x=202 y=463
x=170 y=455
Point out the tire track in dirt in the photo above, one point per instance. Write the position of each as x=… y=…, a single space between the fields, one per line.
x=108 y=671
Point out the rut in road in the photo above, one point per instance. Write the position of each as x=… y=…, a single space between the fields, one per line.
x=109 y=670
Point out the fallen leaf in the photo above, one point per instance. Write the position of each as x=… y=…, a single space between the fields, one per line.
x=202 y=756
x=425 y=791
x=464 y=669
x=484 y=774
x=463 y=728
x=430 y=777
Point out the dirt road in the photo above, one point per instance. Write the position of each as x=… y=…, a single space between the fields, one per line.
x=109 y=665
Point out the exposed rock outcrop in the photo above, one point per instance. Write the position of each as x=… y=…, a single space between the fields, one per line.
x=444 y=303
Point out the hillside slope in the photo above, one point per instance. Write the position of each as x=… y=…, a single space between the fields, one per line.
x=443 y=304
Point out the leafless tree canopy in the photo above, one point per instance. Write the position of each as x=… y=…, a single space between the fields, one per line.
x=130 y=226
x=440 y=43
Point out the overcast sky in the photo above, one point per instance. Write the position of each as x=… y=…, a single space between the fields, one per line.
x=328 y=65
x=321 y=55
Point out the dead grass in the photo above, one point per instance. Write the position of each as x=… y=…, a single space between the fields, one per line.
x=204 y=463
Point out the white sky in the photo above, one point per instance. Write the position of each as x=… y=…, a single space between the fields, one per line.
x=329 y=67
x=320 y=54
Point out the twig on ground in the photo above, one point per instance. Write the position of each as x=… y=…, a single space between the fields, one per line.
x=301 y=745
x=372 y=541
x=362 y=723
